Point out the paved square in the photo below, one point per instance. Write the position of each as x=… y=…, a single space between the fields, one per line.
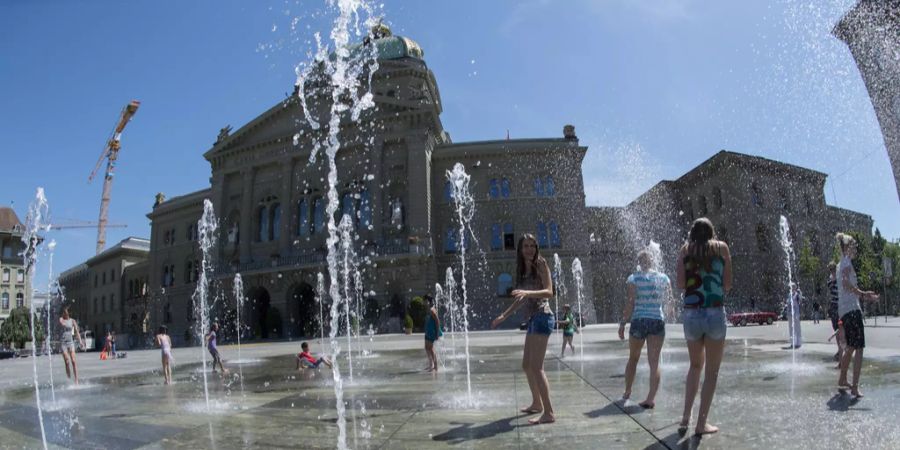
x=767 y=397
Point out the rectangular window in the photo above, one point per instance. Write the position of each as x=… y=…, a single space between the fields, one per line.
x=509 y=238
x=496 y=237
x=494 y=188
x=543 y=242
x=103 y=303
x=538 y=187
x=5 y=275
x=7 y=251
x=112 y=302
x=20 y=276
x=95 y=305
x=112 y=275
x=450 y=239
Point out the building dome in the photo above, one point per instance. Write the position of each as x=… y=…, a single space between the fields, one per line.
x=389 y=46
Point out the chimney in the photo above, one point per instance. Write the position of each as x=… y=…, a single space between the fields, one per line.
x=569 y=133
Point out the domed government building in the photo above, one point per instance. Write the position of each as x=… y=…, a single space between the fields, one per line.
x=392 y=181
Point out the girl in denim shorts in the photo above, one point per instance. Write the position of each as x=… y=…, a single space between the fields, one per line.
x=534 y=287
x=704 y=274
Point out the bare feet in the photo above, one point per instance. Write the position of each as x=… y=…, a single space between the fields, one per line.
x=854 y=391
x=706 y=429
x=545 y=418
x=683 y=426
x=532 y=409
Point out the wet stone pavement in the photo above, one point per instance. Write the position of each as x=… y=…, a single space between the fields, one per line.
x=767 y=397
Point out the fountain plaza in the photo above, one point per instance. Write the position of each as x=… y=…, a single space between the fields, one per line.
x=767 y=397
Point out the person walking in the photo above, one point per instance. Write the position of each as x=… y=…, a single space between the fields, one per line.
x=213 y=348
x=704 y=274
x=67 y=343
x=816 y=309
x=648 y=293
x=850 y=312
x=533 y=289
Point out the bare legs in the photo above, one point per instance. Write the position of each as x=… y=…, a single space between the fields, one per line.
x=69 y=356
x=567 y=340
x=533 y=366
x=654 y=348
x=167 y=369
x=857 y=355
x=432 y=357
x=700 y=350
x=635 y=346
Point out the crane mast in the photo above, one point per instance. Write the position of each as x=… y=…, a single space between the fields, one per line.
x=110 y=154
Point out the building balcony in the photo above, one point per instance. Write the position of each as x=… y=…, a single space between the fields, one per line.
x=317 y=258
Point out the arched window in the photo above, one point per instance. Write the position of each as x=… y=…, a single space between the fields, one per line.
x=20 y=300
x=262 y=219
x=504 y=188
x=302 y=218
x=450 y=240
x=4 y=300
x=189 y=272
x=448 y=191
x=542 y=235
x=494 y=188
x=275 y=230
x=717 y=198
x=538 y=187
x=496 y=237
x=165 y=277
x=549 y=187
x=554 y=235
x=348 y=208
x=365 y=209
x=504 y=284
x=319 y=215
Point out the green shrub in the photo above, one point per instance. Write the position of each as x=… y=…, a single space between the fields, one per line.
x=417 y=310
x=408 y=322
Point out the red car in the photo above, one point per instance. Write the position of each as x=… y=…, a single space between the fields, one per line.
x=742 y=319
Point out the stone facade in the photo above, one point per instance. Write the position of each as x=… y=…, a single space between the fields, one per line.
x=95 y=293
x=15 y=285
x=744 y=196
x=871 y=30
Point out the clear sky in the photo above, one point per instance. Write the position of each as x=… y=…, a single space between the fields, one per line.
x=654 y=87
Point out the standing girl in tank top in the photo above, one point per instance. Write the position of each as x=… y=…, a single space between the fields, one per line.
x=67 y=342
x=165 y=347
x=704 y=273
x=850 y=312
x=533 y=289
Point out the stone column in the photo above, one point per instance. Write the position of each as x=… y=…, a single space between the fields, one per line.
x=418 y=189
x=287 y=208
x=247 y=214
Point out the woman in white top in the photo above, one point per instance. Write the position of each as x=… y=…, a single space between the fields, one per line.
x=850 y=313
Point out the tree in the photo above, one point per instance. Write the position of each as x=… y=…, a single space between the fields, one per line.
x=808 y=263
x=16 y=329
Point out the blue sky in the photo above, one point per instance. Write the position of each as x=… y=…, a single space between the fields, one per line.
x=654 y=87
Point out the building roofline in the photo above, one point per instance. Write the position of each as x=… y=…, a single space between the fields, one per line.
x=724 y=155
x=179 y=201
x=450 y=150
x=130 y=244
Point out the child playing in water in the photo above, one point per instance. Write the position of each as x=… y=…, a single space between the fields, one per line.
x=165 y=346
x=213 y=348
x=432 y=334
x=306 y=356
x=569 y=331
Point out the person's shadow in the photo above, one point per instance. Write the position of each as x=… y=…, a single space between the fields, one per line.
x=843 y=402
x=614 y=408
x=677 y=441
x=466 y=432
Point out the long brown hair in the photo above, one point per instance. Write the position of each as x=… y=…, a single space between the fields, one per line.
x=700 y=245
x=520 y=260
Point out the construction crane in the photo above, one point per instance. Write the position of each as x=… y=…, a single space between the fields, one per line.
x=110 y=154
